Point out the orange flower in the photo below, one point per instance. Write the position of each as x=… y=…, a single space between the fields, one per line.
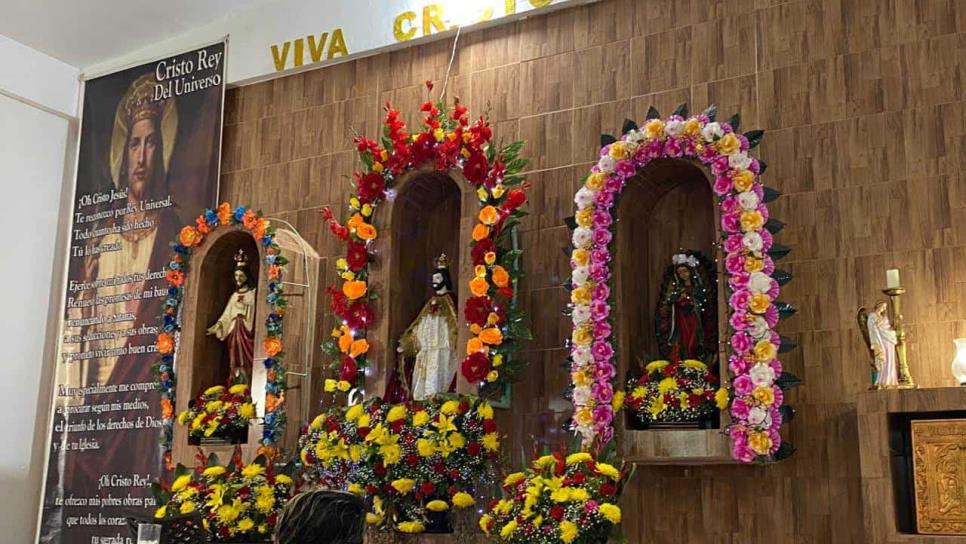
x=261 y=227
x=355 y=221
x=167 y=410
x=490 y=257
x=489 y=215
x=274 y=271
x=224 y=213
x=476 y=329
x=479 y=287
x=190 y=236
x=474 y=345
x=358 y=347
x=175 y=277
x=270 y=401
x=492 y=336
x=202 y=224
x=366 y=231
x=273 y=346
x=250 y=219
x=354 y=289
x=500 y=276
x=480 y=232
x=345 y=342
x=267 y=451
x=165 y=343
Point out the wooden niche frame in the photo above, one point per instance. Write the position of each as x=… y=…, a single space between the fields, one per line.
x=424 y=194
x=205 y=293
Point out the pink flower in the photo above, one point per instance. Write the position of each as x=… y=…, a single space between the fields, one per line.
x=600 y=256
x=601 y=292
x=738 y=320
x=763 y=210
x=603 y=219
x=599 y=310
x=602 y=329
x=779 y=395
x=738 y=364
x=767 y=240
x=771 y=315
x=744 y=142
x=689 y=148
x=590 y=506
x=740 y=409
x=742 y=453
x=603 y=415
x=604 y=371
x=603 y=351
x=730 y=223
x=734 y=263
x=708 y=155
x=726 y=128
x=769 y=267
x=604 y=200
x=729 y=204
x=739 y=299
x=722 y=185
x=602 y=236
x=776 y=417
x=603 y=392
x=625 y=169
x=743 y=386
x=614 y=184
x=604 y=151
x=598 y=273
x=776 y=439
x=755 y=166
x=720 y=165
x=738 y=435
x=672 y=148
x=776 y=365
x=739 y=279
x=741 y=343
x=607 y=433
x=733 y=244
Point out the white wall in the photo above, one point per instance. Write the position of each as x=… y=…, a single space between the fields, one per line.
x=38 y=101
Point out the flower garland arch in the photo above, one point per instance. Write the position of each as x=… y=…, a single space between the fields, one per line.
x=189 y=238
x=756 y=404
x=447 y=141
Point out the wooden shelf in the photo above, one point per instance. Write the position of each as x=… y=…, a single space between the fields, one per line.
x=677 y=447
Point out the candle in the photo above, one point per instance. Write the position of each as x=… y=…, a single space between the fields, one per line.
x=892 y=278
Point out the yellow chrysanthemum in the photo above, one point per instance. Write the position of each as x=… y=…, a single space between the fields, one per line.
x=693 y=363
x=403 y=485
x=611 y=512
x=214 y=390
x=514 y=478
x=457 y=441
x=318 y=422
x=227 y=513
x=420 y=418
x=654 y=366
x=238 y=389
x=463 y=500
x=426 y=447
x=579 y=457
x=213 y=472
x=373 y=519
x=396 y=413
x=437 y=506
x=485 y=411
x=160 y=513
x=356 y=489
x=568 y=531
x=246 y=410
x=411 y=527
x=666 y=385
x=354 y=412
x=181 y=482
x=485 y=523
x=609 y=471
x=491 y=441
x=253 y=470
x=618 y=401
x=508 y=529
x=721 y=398
x=450 y=407
x=246 y=525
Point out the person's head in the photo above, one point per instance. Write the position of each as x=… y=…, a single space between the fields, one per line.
x=143 y=128
x=142 y=157
x=322 y=517
x=881 y=307
x=441 y=281
x=683 y=273
x=241 y=277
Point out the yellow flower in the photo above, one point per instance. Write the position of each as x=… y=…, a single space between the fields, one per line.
x=514 y=479
x=765 y=351
x=247 y=410
x=450 y=407
x=692 y=127
x=692 y=363
x=227 y=513
x=214 y=390
x=764 y=395
x=751 y=221
x=283 y=479
x=581 y=295
x=744 y=180
x=580 y=256
x=568 y=531
x=619 y=151
x=425 y=447
x=364 y=420
x=373 y=519
x=377 y=167
x=728 y=144
x=457 y=441
x=618 y=401
x=491 y=441
x=341 y=263
x=759 y=303
x=581 y=377
x=580 y=457
x=585 y=218
x=544 y=461
x=639 y=392
x=356 y=489
x=366 y=210
x=265 y=503
x=411 y=527
x=596 y=181
x=330 y=386
x=508 y=529
x=245 y=525
x=213 y=406
x=214 y=471
x=420 y=418
x=238 y=389
x=498 y=190
x=403 y=485
x=721 y=398
x=343 y=386
x=437 y=506
x=666 y=385
x=583 y=415
x=396 y=413
x=656 y=406
x=482 y=194
x=354 y=412
x=583 y=336
x=160 y=513
x=610 y=511
x=754 y=264
x=253 y=470
x=391 y=453
x=654 y=366
x=485 y=523
x=609 y=471
x=181 y=482
x=759 y=442
x=654 y=128
x=492 y=376
x=463 y=500
x=484 y=410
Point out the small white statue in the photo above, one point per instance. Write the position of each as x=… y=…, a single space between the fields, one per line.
x=881 y=341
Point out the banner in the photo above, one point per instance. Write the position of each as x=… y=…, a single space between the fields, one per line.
x=148 y=162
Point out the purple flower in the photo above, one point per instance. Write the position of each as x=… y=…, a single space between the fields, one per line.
x=734 y=263
x=602 y=329
x=730 y=223
x=603 y=392
x=625 y=169
x=771 y=315
x=603 y=351
x=769 y=266
x=740 y=409
x=766 y=239
x=741 y=343
x=604 y=151
x=603 y=414
x=602 y=236
x=733 y=243
x=743 y=386
x=599 y=310
x=604 y=371
x=755 y=166
x=601 y=292
x=603 y=219
x=744 y=142
x=722 y=185
x=726 y=128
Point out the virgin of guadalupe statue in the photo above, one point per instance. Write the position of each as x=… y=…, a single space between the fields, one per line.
x=686 y=320
x=431 y=341
x=235 y=327
x=881 y=341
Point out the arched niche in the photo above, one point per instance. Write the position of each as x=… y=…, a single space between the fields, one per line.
x=208 y=285
x=431 y=212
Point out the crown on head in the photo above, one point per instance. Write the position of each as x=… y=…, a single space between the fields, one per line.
x=140 y=104
x=241 y=259
x=685 y=259
x=441 y=262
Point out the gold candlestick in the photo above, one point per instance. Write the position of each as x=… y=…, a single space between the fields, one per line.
x=905 y=378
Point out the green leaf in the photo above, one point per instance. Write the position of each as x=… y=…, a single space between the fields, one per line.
x=681 y=110
x=520 y=331
x=652 y=113
x=629 y=125
x=735 y=122
x=571 y=222
x=754 y=138
x=711 y=112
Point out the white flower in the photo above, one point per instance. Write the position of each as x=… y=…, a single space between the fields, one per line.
x=748 y=200
x=581 y=395
x=582 y=355
x=634 y=136
x=579 y=276
x=759 y=282
x=584 y=198
x=757 y=415
x=711 y=131
x=757 y=328
x=739 y=161
x=583 y=237
x=580 y=314
x=674 y=128
x=606 y=164
x=752 y=241
x=762 y=375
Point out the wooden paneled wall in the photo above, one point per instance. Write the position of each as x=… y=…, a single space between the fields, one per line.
x=863 y=106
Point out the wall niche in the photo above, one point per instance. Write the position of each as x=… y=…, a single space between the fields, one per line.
x=666 y=209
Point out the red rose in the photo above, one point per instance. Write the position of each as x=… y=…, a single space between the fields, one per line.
x=669 y=370
x=473 y=448
x=557 y=512
x=348 y=371
x=363 y=432
x=608 y=489
x=428 y=488
x=579 y=478
x=477 y=310
x=489 y=426
x=475 y=168
x=480 y=249
x=505 y=292
x=454 y=474
x=372 y=490
x=412 y=460
x=397 y=425
x=440 y=467
x=337 y=301
x=694 y=400
x=357 y=256
x=514 y=199
x=423 y=149
x=379 y=469
x=371 y=187
x=464 y=407
x=358 y=315
x=475 y=367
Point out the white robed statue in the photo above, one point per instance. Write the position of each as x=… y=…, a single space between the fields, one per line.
x=431 y=338
x=882 y=340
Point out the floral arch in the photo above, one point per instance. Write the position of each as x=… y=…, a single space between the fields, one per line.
x=758 y=381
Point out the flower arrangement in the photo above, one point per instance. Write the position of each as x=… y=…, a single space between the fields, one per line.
x=236 y=501
x=678 y=391
x=219 y=412
x=748 y=263
x=448 y=141
x=560 y=500
x=189 y=238
x=411 y=459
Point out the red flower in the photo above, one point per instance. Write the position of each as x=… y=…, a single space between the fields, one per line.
x=371 y=187
x=358 y=315
x=412 y=460
x=475 y=367
x=337 y=301
x=489 y=426
x=379 y=469
x=363 y=432
x=557 y=512
x=480 y=249
x=514 y=199
x=608 y=489
x=669 y=370
x=505 y=292
x=475 y=168
x=464 y=407
x=473 y=448
x=348 y=371
x=477 y=310
x=357 y=256
x=423 y=149
x=428 y=488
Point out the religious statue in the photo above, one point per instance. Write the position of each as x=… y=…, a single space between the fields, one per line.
x=235 y=327
x=881 y=340
x=431 y=339
x=686 y=319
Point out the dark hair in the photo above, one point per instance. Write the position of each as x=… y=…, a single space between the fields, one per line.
x=322 y=517
x=159 y=176
x=447 y=281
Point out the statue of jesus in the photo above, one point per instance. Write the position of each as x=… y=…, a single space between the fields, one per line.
x=235 y=327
